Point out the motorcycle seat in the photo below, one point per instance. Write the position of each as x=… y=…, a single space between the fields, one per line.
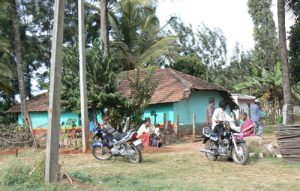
x=214 y=134
x=209 y=132
x=118 y=136
x=109 y=130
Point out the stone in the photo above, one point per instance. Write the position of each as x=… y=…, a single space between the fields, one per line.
x=271 y=150
x=253 y=141
x=252 y=155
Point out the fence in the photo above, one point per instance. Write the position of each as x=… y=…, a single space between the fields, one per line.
x=289 y=142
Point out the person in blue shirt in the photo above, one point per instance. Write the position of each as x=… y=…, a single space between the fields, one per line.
x=255 y=114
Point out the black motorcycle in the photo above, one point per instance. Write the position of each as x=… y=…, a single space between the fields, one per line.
x=110 y=143
x=228 y=145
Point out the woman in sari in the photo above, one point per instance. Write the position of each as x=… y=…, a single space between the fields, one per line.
x=144 y=132
x=247 y=127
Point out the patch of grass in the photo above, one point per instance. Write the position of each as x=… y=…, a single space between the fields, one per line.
x=84 y=178
x=17 y=175
x=256 y=151
x=141 y=184
x=185 y=170
x=269 y=130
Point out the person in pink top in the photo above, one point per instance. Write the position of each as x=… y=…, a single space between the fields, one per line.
x=247 y=127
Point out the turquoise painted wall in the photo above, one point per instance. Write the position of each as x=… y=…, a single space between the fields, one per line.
x=160 y=109
x=196 y=103
x=40 y=119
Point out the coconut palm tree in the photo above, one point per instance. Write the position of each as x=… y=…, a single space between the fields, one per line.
x=136 y=39
x=104 y=27
x=20 y=67
x=287 y=98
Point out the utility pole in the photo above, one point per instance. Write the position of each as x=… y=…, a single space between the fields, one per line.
x=52 y=168
x=82 y=71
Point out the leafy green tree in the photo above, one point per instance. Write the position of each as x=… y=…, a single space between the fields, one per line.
x=102 y=85
x=211 y=47
x=264 y=83
x=7 y=65
x=7 y=71
x=142 y=86
x=239 y=67
x=294 y=53
x=294 y=39
x=191 y=65
x=265 y=54
x=186 y=37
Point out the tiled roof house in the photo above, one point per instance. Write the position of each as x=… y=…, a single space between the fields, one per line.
x=179 y=94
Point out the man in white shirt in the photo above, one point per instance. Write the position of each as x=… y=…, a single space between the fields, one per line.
x=221 y=115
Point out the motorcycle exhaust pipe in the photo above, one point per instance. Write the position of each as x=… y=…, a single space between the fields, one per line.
x=211 y=152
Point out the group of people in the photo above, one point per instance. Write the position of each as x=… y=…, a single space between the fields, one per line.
x=249 y=123
x=149 y=134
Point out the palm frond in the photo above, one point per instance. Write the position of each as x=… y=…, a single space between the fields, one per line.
x=157 y=49
x=6 y=71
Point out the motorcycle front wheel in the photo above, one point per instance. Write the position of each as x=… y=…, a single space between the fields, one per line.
x=136 y=156
x=240 y=155
x=102 y=152
x=210 y=145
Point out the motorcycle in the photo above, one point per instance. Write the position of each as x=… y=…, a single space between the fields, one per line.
x=110 y=143
x=232 y=146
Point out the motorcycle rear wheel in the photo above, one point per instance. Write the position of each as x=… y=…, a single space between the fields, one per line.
x=102 y=153
x=208 y=146
x=244 y=155
x=137 y=156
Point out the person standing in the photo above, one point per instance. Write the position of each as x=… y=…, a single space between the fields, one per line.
x=209 y=111
x=256 y=118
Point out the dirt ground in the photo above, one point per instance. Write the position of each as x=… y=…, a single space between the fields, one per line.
x=179 y=166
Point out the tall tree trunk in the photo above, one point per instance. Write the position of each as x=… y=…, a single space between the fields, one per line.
x=104 y=30
x=287 y=109
x=20 y=67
